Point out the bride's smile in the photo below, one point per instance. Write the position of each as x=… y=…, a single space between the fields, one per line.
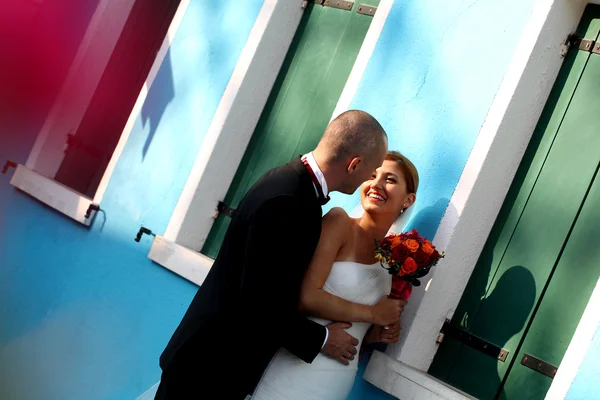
x=386 y=191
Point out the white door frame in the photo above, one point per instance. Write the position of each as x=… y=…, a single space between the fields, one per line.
x=234 y=121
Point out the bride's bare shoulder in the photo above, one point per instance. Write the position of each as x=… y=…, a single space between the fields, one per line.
x=337 y=218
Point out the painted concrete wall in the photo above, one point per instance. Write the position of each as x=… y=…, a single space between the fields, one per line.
x=84 y=314
x=430 y=81
x=586 y=385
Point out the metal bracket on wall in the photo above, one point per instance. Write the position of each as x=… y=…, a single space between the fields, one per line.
x=472 y=341
x=224 y=209
x=538 y=365
x=583 y=44
x=92 y=207
x=366 y=9
x=341 y=4
x=143 y=231
x=8 y=165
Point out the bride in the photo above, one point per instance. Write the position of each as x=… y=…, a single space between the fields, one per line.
x=343 y=283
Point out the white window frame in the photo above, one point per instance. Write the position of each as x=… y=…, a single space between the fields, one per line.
x=66 y=114
x=232 y=127
x=479 y=195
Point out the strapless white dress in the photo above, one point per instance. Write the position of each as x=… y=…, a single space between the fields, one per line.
x=289 y=378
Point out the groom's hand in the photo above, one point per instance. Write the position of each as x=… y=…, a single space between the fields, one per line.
x=340 y=345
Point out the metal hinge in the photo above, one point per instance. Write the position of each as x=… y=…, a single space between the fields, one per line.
x=341 y=4
x=364 y=9
x=588 y=45
x=472 y=341
x=224 y=209
x=538 y=365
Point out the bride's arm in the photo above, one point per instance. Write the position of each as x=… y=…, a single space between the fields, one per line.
x=319 y=303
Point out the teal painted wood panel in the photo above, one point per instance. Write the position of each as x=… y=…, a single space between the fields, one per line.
x=506 y=282
x=578 y=269
x=302 y=101
x=536 y=242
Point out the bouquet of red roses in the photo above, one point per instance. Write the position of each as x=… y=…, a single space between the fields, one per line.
x=408 y=257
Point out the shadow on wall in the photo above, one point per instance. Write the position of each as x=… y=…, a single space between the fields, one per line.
x=160 y=95
x=514 y=298
x=195 y=72
x=511 y=300
x=427 y=220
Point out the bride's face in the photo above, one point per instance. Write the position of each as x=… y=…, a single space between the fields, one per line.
x=385 y=192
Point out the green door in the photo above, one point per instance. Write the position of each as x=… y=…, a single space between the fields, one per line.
x=302 y=101
x=541 y=261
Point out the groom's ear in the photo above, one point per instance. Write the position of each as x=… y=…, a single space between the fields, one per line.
x=354 y=163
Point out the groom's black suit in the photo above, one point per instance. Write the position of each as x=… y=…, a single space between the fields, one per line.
x=247 y=308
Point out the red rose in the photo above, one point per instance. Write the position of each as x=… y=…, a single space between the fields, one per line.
x=396 y=241
x=428 y=247
x=408 y=267
x=423 y=259
x=400 y=252
x=412 y=245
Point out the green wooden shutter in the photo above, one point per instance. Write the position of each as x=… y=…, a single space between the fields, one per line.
x=302 y=101
x=526 y=242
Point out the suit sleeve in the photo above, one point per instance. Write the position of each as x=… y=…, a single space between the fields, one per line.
x=277 y=255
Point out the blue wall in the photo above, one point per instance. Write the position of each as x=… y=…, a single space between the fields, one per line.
x=84 y=314
x=430 y=82
x=586 y=385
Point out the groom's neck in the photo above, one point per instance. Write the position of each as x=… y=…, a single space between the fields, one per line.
x=327 y=168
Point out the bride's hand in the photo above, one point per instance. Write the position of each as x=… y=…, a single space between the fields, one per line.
x=387 y=311
x=390 y=334
x=383 y=334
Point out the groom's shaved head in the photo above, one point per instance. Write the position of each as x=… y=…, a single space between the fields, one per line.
x=353 y=133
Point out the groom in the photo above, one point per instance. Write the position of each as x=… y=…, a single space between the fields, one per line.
x=247 y=308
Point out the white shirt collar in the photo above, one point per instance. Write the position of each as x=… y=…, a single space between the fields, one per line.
x=318 y=173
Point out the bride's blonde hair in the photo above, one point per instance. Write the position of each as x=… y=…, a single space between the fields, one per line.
x=411 y=175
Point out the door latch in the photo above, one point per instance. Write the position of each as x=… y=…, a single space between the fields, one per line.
x=472 y=341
